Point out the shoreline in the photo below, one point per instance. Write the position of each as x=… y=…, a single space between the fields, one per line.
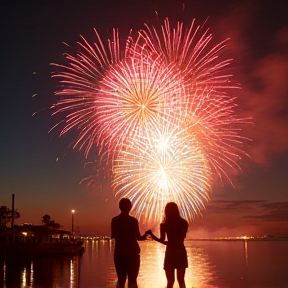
x=238 y=239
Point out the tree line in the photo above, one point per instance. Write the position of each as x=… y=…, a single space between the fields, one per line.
x=6 y=216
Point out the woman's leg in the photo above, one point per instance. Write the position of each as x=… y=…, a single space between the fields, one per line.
x=180 y=277
x=170 y=277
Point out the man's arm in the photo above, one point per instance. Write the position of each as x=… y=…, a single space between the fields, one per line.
x=143 y=237
x=140 y=237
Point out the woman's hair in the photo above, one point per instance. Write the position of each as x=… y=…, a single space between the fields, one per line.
x=171 y=212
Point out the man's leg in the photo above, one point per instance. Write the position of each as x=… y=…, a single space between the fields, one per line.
x=120 y=262
x=132 y=284
x=133 y=269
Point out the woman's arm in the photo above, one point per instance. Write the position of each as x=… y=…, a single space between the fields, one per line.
x=142 y=237
x=162 y=235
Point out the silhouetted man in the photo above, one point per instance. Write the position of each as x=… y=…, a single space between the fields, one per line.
x=125 y=230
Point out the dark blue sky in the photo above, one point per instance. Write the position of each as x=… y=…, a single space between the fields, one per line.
x=44 y=175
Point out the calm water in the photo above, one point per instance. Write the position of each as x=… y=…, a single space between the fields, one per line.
x=211 y=264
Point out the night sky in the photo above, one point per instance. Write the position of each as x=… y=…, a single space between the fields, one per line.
x=44 y=173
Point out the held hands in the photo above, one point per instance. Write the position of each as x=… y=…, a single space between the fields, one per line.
x=148 y=232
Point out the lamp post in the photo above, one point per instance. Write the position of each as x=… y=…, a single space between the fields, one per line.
x=72 y=228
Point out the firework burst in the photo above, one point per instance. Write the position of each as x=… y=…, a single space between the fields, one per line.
x=134 y=98
x=159 y=112
x=166 y=165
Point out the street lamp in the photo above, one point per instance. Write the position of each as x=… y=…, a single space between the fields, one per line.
x=72 y=228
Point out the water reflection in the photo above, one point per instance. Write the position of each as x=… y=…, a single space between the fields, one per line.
x=246 y=251
x=27 y=275
x=59 y=271
x=211 y=264
x=199 y=273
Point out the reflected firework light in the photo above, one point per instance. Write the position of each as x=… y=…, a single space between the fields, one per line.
x=159 y=112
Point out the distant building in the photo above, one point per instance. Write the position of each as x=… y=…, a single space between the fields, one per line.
x=37 y=234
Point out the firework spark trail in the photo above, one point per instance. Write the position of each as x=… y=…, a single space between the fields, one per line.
x=214 y=122
x=188 y=49
x=80 y=86
x=168 y=88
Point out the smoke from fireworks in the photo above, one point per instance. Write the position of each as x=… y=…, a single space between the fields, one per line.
x=159 y=112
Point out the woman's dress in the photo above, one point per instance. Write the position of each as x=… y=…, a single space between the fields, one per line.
x=175 y=255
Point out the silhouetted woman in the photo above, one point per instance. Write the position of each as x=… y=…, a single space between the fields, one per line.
x=175 y=256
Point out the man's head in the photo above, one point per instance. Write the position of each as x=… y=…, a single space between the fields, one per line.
x=125 y=205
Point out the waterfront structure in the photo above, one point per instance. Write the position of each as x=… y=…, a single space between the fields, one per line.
x=31 y=239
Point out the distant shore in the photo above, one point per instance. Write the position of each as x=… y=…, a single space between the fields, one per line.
x=240 y=239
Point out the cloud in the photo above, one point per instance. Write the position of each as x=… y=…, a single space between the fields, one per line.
x=241 y=217
x=277 y=211
x=268 y=105
x=250 y=209
x=225 y=206
x=260 y=52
